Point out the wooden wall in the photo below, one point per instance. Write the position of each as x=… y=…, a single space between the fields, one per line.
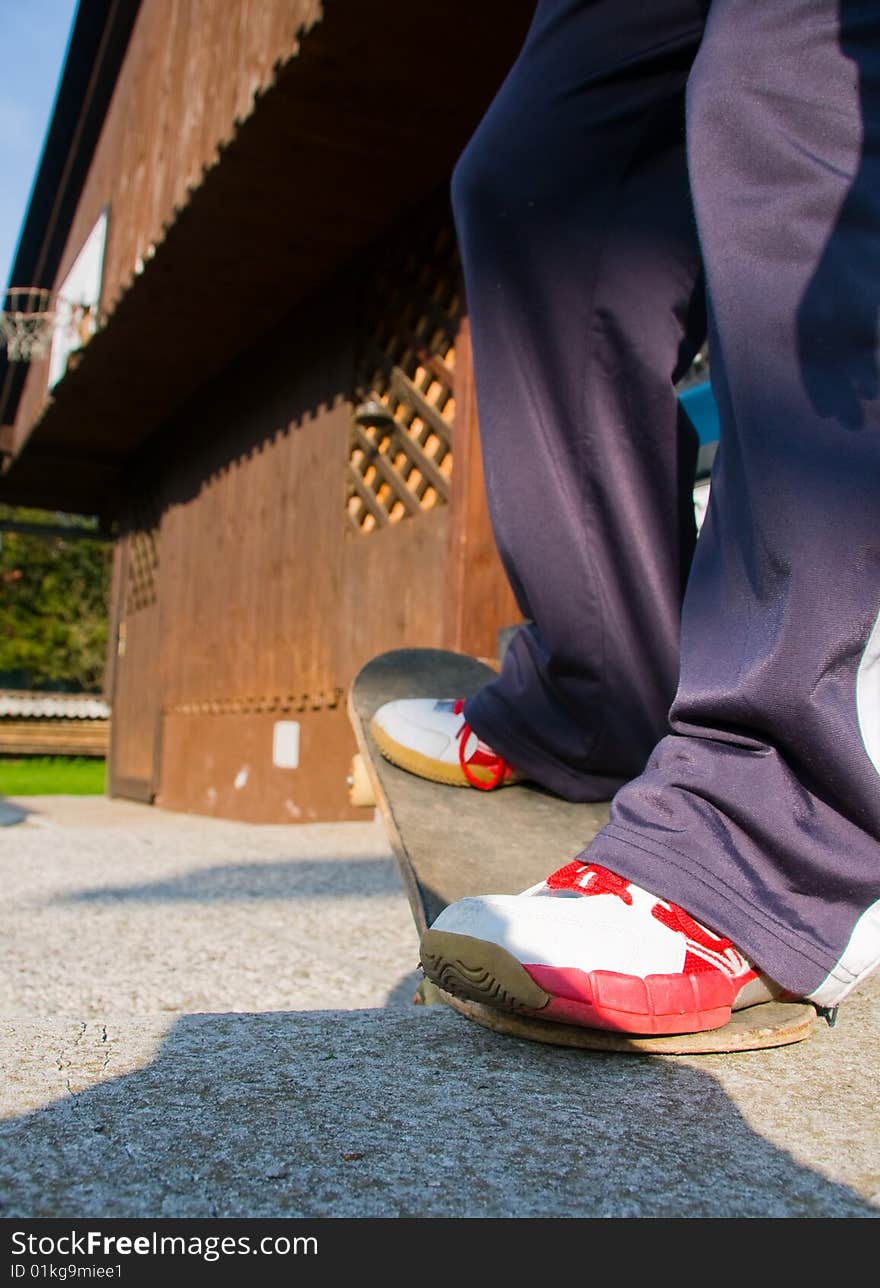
x=247 y=597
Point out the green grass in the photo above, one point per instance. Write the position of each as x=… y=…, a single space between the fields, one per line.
x=52 y=776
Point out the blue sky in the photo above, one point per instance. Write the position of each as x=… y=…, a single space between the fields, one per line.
x=33 y=40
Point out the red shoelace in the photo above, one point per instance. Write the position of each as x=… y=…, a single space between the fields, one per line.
x=589 y=878
x=498 y=767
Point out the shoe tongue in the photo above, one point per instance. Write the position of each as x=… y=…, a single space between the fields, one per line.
x=589 y=878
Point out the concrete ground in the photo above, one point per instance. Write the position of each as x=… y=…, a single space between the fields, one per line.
x=212 y=1019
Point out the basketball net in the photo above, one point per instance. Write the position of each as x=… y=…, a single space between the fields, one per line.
x=26 y=323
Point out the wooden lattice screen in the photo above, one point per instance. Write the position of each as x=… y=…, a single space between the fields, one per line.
x=142 y=566
x=400 y=453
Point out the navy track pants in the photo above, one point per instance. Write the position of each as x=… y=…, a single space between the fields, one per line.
x=648 y=174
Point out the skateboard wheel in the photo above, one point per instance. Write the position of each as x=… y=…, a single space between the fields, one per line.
x=428 y=994
x=360 y=789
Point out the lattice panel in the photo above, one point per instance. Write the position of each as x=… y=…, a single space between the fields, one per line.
x=400 y=453
x=142 y=575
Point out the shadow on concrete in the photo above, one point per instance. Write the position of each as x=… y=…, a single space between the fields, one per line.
x=10 y=813
x=403 y=992
x=329 y=878
x=391 y=1113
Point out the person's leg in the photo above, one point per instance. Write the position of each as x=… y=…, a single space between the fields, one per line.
x=582 y=279
x=760 y=814
x=584 y=291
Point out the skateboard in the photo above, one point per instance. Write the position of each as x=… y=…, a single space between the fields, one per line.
x=450 y=842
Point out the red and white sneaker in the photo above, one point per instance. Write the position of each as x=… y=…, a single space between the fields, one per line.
x=587 y=947
x=432 y=739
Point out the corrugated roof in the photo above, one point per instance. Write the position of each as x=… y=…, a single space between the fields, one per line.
x=67 y=706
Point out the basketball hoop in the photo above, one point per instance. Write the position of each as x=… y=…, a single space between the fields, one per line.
x=26 y=322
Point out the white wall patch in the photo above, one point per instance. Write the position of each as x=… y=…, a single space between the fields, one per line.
x=285 y=744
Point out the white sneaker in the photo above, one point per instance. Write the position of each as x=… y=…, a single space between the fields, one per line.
x=587 y=947
x=432 y=739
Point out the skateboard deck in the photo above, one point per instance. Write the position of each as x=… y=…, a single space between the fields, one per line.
x=450 y=842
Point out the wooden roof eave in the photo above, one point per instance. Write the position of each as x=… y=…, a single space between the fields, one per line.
x=343 y=141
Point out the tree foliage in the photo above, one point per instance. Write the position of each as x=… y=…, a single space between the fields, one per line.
x=54 y=604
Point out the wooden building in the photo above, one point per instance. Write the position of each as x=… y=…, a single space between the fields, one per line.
x=260 y=373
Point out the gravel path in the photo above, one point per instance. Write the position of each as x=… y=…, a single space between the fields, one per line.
x=116 y=908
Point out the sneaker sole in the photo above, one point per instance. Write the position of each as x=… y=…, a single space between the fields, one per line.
x=424 y=766
x=480 y=971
